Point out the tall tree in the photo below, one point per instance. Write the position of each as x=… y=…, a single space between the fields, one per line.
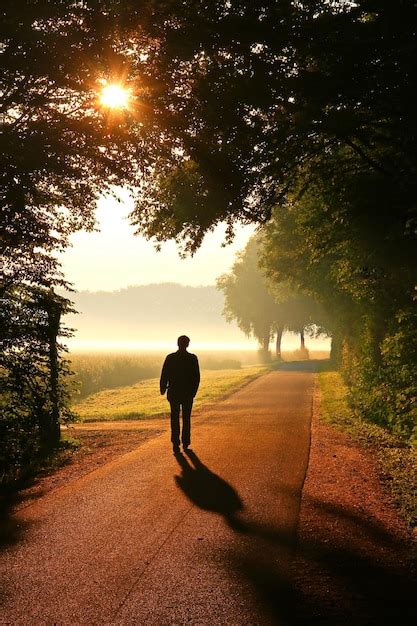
x=254 y=96
x=362 y=270
x=60 y=149
x=247 y=299
x=260 y=308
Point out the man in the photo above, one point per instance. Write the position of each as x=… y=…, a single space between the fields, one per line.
x=181 y=376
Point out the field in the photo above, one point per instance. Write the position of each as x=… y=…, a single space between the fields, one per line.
x=95 y=372
x=98 y=371
x=143 y=400
x=119 y=386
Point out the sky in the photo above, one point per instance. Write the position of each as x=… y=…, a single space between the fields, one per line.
x=115 y=258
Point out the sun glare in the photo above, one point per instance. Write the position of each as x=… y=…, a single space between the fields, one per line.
x=115 y=96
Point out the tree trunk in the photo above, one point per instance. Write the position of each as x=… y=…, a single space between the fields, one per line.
x=336 y=349
x=52 y=429
x=264 y=350
x=302 y=340
x=278 y=344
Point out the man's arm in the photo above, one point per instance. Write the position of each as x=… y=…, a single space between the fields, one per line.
x=196 y=376
x=163 y=382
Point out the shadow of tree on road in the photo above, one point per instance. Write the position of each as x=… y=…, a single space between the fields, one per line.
x=329 y=582
x=11 y=530
x=352 y=580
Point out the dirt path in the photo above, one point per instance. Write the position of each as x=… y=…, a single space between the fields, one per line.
x=150 y=539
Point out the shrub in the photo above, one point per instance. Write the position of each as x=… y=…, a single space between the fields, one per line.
x=381 y=375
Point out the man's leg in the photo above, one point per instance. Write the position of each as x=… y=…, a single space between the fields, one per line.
x=187 y=405
x=175 y=423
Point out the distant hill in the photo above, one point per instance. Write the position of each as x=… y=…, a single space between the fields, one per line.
x=155 y=312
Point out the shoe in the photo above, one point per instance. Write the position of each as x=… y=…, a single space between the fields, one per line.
x=186 y=448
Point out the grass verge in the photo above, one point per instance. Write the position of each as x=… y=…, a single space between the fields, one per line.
x=397 y=461
x=143 y=400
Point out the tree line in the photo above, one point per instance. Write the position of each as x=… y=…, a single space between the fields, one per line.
x=266 y=308
x=295 y=115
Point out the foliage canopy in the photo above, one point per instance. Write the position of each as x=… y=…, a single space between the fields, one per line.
x=253 y=98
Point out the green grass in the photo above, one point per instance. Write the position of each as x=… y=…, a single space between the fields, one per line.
x=95 y=371
x=143 y=399
x=397 y=460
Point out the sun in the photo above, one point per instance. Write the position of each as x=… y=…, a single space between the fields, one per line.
x=115 y=96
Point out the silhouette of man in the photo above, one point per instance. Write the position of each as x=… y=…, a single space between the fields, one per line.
x=181 y=376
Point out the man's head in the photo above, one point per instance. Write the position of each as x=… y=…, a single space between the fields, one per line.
x=183 y=342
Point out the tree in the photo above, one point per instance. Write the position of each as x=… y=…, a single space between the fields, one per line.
x=304 y=110
x=60 y=148
x=362 y=271
x=34 y=398
x=247 y=299
x=59 y=151
x=260 y=308
x=233 y=104
x=253 y=97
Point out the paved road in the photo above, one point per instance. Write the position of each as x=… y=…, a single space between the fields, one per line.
x=151 y=539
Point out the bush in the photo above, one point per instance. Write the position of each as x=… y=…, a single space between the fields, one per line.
x=398 y=389
x=34 y=400
x=381 y=375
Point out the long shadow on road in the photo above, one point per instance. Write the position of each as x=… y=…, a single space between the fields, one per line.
x=207 y=490
x=332 y=581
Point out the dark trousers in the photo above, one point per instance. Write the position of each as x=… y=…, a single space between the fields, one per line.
x=186 y=404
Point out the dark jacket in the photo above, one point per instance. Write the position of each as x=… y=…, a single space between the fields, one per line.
x=180 y=375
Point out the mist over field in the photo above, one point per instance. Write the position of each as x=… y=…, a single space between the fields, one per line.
x=153 y=316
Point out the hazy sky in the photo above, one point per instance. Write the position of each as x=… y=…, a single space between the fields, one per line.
x=114 y=258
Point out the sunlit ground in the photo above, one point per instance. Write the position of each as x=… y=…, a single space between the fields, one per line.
x=140 y=401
